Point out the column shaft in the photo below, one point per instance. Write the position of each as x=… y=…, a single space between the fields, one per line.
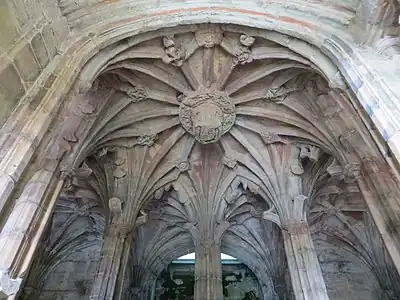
x=385 y=214
x=305 y=271
x=208 y=273
x=114 y=247
x=24 y=228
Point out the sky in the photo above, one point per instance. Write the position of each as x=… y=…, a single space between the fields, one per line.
x=192 y=256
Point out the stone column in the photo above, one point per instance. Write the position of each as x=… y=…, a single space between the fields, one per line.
x=148 y=288
x=382 y=196
x=115 y=245
x=24 y=227
x=208 y=271
x=305 y=271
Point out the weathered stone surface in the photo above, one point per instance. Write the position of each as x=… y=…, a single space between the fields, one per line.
x=258 y=172
x=9 y=27
x=26 y=63
x=50 y=41
x=40 y=50
x=11 y=88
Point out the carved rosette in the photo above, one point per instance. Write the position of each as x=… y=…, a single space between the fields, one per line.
x=207 y=114
x=209 y=37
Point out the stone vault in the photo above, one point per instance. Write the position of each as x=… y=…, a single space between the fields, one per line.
x=207 y=137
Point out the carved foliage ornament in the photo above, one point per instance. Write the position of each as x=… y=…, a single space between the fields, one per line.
x=135 y=93
x=173 y=54
x=271 y=138
x=207 y=115
x=147 y=139
x=243 y=54
x=279 y=94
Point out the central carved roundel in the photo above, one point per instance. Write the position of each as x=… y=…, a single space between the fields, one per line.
x=207 y=115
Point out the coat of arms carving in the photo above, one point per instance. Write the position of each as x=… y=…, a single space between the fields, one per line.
x=207 y=114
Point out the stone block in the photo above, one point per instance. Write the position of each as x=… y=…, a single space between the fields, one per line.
x=36 y=100
x=9 y=31
x=6 y=187
x=11 y=89
x=40 y=50
x=26 y=63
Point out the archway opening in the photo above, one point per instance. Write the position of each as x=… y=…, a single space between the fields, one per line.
x=177 y=280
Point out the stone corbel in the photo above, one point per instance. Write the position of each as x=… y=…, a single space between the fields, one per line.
x=352 y=172
x=296 y=166
x=301 y=152
x=311 y=152
x=349 y=173
x=334 y=169
x=71 y=175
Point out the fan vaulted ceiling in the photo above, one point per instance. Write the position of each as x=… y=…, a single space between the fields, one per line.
x=218 y=92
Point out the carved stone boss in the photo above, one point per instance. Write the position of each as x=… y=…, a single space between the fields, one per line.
x=207 y=114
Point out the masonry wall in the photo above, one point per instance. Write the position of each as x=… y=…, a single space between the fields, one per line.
x=345 y=277
x=31 y=34
x=73 y=278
